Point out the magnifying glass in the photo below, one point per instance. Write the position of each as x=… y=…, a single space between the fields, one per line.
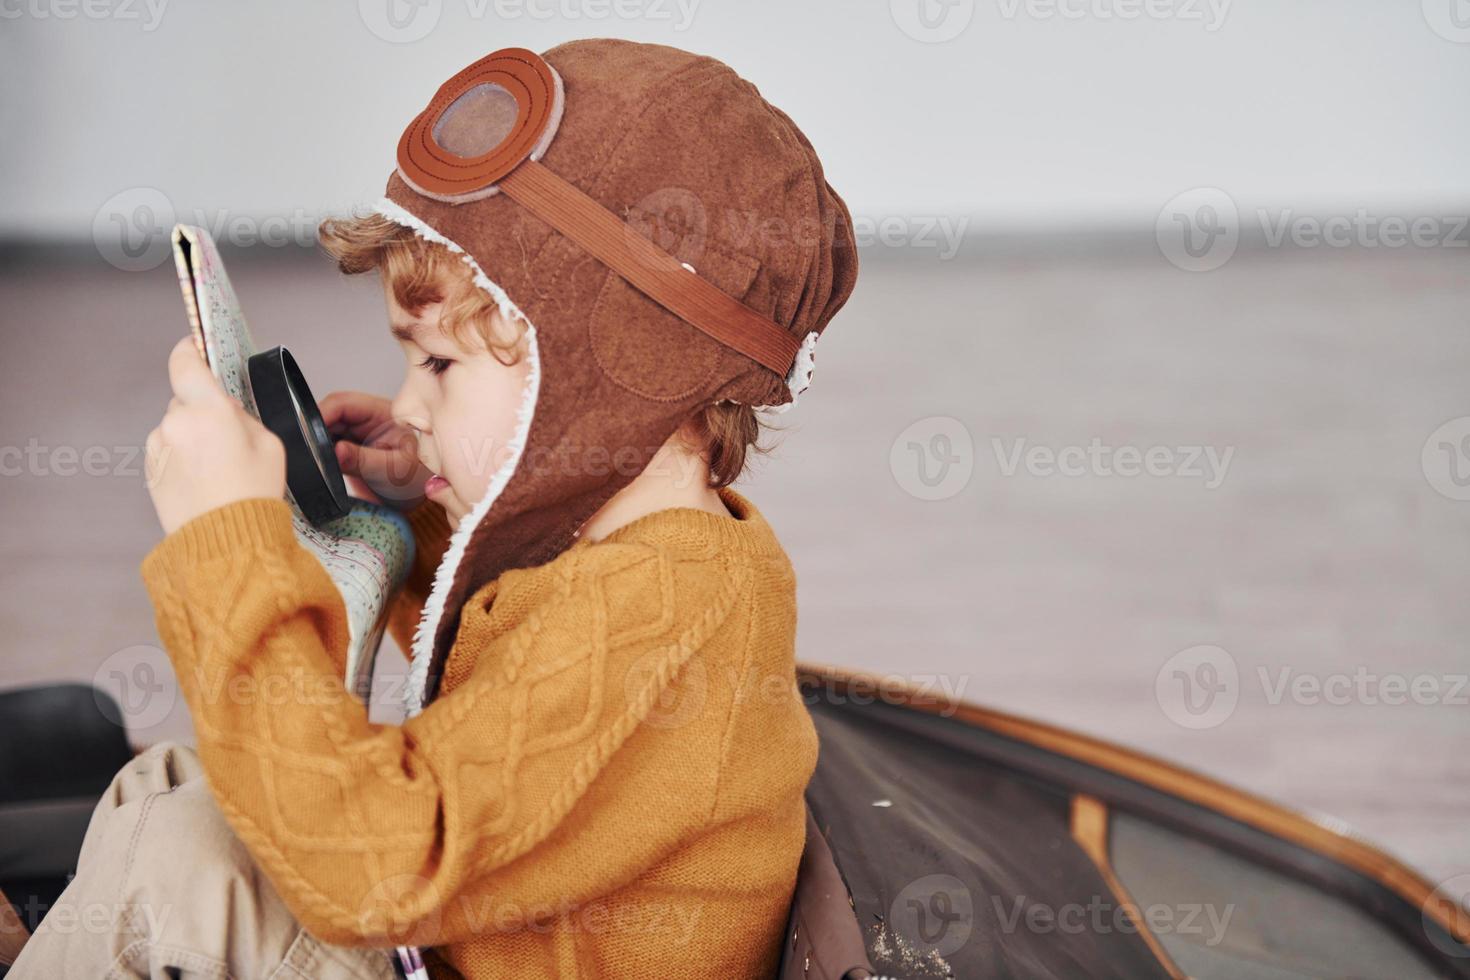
x=287 y=408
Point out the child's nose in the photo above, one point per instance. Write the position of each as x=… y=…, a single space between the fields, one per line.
x=409 y=410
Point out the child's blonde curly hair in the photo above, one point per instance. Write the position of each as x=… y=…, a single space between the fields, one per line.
x=421 y=272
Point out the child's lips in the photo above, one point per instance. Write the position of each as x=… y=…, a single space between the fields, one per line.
x=434 y=484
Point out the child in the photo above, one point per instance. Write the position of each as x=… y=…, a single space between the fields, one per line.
x=604 y=769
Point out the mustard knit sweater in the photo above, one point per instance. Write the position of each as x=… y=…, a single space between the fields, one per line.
x=608 y=785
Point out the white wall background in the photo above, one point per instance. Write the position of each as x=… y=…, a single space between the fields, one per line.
x=1052 y=113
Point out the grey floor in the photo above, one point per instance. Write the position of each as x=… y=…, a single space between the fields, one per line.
x=1324 y=553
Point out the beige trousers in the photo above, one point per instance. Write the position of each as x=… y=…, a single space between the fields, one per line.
x=164 y=889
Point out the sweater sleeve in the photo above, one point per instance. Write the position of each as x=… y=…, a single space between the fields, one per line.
x=431 y=533
x=518 y=784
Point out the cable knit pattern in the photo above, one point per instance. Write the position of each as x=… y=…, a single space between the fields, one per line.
x=609 y=783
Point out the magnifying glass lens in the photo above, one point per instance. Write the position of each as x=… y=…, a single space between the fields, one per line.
x=313 y=432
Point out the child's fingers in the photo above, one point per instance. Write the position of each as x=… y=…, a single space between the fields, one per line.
x=348 y=455
x=379 y=467
x=354 y=413
x=350 y=447
x=345 y=411
x=189 y=376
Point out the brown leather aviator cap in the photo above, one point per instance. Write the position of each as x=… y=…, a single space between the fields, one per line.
x=669 y=240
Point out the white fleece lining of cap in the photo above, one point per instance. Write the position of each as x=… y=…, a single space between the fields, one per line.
x=423 y=637
x=799 y=378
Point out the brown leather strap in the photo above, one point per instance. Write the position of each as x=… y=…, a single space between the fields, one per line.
x=649 y=268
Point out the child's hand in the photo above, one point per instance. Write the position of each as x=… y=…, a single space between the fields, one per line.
x=208 y=451
x=379 y=455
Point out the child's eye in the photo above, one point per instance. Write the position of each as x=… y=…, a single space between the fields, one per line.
x=437 y=365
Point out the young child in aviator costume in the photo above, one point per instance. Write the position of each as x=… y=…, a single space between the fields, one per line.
x=544 y=811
